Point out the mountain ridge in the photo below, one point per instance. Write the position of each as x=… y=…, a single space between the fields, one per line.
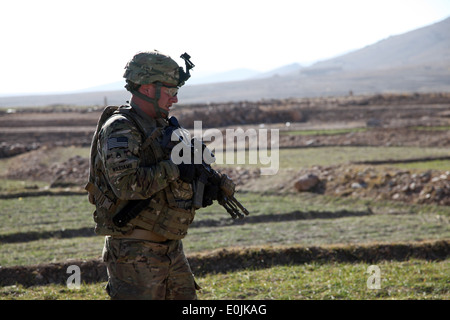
x=415 y=61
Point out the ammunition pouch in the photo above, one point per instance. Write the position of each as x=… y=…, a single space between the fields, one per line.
x=170 y=222
x=97 y=197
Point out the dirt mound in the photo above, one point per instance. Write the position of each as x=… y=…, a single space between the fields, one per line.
x=225 y=260
x=73 y=172
x=387 y=109
x=29 y=166
x=9 y=150
x=374 y=137
x=380 y=183
x=222 y=115
x=91 y=271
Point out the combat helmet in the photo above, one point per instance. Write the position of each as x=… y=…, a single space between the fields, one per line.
x=155 y=67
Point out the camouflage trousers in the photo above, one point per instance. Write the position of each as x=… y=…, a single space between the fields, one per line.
x=144 y=270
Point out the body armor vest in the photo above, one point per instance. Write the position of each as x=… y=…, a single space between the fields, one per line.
x=169 y=213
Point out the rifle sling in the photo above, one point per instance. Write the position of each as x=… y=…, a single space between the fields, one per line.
x=130 y=211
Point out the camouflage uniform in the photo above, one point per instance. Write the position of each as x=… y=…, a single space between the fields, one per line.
x=148 y=270
x=128 y=163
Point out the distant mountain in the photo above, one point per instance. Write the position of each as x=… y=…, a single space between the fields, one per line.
x=282 y=71
x=426 y=46
x=416 y=61
x=233 y=75
x=118 y=85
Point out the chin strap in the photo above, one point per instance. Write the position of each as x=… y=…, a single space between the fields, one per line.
x=160 y=113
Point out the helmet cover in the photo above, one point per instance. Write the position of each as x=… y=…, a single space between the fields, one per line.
x=152 y=66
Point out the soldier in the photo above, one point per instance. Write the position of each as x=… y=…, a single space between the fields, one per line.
x=131 y=173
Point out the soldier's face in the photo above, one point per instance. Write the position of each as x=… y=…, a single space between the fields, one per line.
x=166 y=99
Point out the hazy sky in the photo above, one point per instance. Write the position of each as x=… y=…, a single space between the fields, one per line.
x=53 y=46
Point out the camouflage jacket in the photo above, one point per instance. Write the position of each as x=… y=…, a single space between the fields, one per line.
x=128 y=163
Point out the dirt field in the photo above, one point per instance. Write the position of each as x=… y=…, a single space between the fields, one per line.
x=390 y=116
x=378 y=120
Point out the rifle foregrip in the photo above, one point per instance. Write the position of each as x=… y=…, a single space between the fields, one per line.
x=227 y=185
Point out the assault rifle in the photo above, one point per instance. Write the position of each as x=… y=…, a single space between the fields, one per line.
x=206 y=176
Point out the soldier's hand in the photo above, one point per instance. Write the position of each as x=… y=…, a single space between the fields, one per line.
x=187 y=172
x=211 y=193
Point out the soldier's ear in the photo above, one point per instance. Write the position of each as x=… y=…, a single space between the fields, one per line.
x=148 y=90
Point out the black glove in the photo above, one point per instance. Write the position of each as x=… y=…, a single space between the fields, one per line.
x=210 y=193
x=187 y=172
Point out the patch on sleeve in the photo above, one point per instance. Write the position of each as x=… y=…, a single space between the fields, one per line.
x=119 y=142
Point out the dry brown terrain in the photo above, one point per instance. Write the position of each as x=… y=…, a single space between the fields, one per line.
x=385 y=120
x=389 y=115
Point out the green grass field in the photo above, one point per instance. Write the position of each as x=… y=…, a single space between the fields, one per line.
x=326 y=156
x=45 y=229
x=413 y=279
x=274 y=219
